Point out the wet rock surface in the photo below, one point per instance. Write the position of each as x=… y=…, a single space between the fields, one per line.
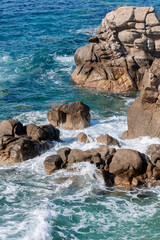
x=82 y=137
x=19 y=143
x=125 y=47
x=123 y=167
x=72 y=116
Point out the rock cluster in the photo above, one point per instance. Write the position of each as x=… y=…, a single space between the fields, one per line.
x=19 y=143
x=127 y=43
x=144 y=115
x=119 y=167
x=73 y=116
x=104 y=139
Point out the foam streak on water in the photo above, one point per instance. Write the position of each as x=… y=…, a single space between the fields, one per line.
x=37 y=46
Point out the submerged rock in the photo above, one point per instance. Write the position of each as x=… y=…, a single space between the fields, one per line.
x=19 y=143
x=127 y=43
x=73 y=116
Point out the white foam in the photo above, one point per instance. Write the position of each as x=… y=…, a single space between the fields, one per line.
x=140 y=144
x=37 y=117
x=112 y=207
x=65 y=59
x=40 y=229
x=88 y=31
x=129 y=101
x=5 y=59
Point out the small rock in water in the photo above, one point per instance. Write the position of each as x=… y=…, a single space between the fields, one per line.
x=107 y=139
x=82 y=137
x=52 y=163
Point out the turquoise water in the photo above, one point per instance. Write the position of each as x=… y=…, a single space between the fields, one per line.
x=37 y=44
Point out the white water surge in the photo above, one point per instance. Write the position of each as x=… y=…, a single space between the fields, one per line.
x=68 y=204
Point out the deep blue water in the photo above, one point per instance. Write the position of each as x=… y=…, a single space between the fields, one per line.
x=38 y=39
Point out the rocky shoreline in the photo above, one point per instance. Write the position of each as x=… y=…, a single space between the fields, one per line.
x=127 y=43
x=118 y=166
x=123 y=57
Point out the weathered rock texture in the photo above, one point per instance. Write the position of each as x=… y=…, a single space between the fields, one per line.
x=73 y=116
x=127 y=43
x=19 y=143
x=144 y=115
x=82 y=137
x=119 y=167
x=108 y=140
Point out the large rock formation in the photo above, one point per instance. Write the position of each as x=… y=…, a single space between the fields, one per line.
x=119 y=167
x=144 y=115
x=127 y=43
x=76 y=115
x=19 y=143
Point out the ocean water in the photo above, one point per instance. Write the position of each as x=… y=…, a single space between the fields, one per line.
x=37 y=44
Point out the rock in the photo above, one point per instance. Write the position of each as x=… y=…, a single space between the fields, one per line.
x=141 y=43
x=154 y=152
x=94 y=39
x=108 y=178
x=73 y=116
x=107 y=139
x=6 y=139
x=119 y=17
x=125 y=33
x=140 y=13
x=127 y=163
x=19 y=143
x=135 y=182
x=157 y=45
x=156 y=173
x=122 y=181
x=127 y=36
x=106 y=153
x=63 y=153
x=83 y=54
x=124 y=135
x=149 y=170
x=143 y=116
x=77 y=155
x=152 y=19
x=19 y=151
x=11 y=127
x=45 y=132
x=52 y=163
x=35 y=132
x=50 y=133
x=123 y=167
x=82 y=137
x=155 y=30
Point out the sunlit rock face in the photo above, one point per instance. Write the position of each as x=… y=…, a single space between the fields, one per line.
x=128 y=41
x=143 y=116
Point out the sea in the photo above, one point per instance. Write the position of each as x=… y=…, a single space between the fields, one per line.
x=38 y=39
